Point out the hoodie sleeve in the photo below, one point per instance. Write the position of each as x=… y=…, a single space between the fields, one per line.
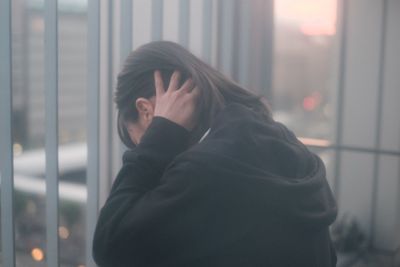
x=143 y=195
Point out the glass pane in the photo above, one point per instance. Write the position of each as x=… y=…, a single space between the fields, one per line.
x=141 y=22
x=72 y=130
x=356 y=186
x=390 y=130
x=360 y=92
x=29 y=132
x=303 y=66
x=196 y=24
x=171 y=21
x=386 y=212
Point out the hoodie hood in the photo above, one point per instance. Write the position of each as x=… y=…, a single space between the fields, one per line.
x=288 y=179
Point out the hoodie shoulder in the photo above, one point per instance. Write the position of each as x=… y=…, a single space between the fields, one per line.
x=265 y=155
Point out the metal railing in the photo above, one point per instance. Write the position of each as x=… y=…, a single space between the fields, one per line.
x=6 y=150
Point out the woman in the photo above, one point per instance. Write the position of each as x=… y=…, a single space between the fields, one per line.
x=210 y=178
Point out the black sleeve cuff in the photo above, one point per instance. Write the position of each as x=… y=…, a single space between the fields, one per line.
x=160 y=144
x=163 y=140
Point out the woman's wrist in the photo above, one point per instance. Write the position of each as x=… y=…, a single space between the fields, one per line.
x=162 y=141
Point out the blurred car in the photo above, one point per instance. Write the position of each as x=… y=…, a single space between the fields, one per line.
x=30 y=203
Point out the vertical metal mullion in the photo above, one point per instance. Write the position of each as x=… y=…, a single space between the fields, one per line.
x=126 y=38
x=340 y=95
x=244 y=42
x=207 y=30
x=380 y=88
x=267 y=51
x=93 y=98
x=6 y=142
x=184 y=22
x=226 y=47
x=51 y=108
x=110 y=83
x=126 y=29
x=157 y=20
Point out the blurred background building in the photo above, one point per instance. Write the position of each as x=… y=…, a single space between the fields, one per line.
x=329 y=68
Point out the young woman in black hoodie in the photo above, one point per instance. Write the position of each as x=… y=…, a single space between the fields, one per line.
x=209 y=179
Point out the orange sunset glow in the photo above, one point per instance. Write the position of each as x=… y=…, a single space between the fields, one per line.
x=313 y=17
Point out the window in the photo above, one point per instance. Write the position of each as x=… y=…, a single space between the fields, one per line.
x=304 y=66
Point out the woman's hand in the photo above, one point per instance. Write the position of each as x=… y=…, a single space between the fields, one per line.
x=176 y=104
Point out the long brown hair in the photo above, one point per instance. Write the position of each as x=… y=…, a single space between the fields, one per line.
x=216 y=90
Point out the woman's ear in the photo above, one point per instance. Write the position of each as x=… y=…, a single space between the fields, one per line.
x=145 y=108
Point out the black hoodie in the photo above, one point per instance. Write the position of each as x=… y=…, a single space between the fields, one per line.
x=250 y=194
